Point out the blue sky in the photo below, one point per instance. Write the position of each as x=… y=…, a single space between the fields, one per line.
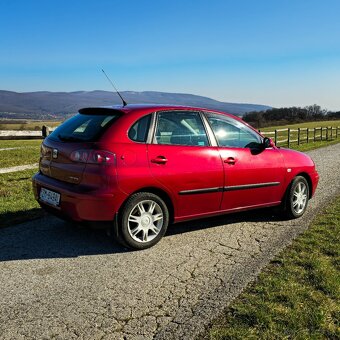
x=280 y=53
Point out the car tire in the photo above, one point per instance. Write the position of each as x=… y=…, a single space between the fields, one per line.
x=296 y=198
x=143 y=220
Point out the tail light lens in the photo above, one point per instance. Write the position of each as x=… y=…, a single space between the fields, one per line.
x=43 y=150
x=93 y=157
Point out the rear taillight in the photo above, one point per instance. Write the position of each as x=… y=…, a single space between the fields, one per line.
x=43 y=150
x=93 y=157
x=102 y=157
x=80 y=156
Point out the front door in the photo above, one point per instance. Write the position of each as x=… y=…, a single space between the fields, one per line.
x=254 y=177
x=251 y=178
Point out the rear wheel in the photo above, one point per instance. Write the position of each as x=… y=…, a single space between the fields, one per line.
x=144 y=220
x=297 y=198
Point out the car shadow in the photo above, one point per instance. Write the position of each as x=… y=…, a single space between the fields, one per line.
x=258 y=215
x=49 y=237
x=8 y=219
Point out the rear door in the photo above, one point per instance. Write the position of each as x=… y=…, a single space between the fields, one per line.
x=182 y=160
x=253 y=176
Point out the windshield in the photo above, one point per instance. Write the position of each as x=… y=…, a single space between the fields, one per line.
x=83 y=128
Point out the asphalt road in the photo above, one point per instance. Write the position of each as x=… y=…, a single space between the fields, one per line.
x=57 y=281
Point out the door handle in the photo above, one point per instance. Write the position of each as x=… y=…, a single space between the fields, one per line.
x=159 y=160
x=230 y=160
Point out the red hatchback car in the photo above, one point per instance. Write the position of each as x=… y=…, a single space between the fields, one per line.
x=145 y=166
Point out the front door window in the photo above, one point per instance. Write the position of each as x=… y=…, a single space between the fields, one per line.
x=231 y=133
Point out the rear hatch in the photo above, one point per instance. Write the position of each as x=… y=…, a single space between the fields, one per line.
x=67 y=151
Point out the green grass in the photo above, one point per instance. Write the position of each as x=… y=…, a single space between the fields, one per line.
x=298 y=295
x=20 y=143
x=28 y=125
x=27 y=155
x=325 y=123
x=314 y=145
x=17 y=203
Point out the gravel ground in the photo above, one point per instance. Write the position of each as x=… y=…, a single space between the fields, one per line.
x=60 y=282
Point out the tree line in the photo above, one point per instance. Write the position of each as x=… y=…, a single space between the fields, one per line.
x=289 y=115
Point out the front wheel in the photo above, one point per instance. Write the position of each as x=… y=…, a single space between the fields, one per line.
x=144 y=220
x=297 y=197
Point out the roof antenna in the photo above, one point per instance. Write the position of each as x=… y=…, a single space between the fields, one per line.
x=124 y=102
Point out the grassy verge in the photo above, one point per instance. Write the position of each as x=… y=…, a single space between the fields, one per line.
x=298 y=295
x=20 y=143
x=17 y=203
x=315 y=145
x=28 y=153
x=27 y=125
x=323 y=123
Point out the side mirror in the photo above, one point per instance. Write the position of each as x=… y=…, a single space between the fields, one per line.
x=268 y=143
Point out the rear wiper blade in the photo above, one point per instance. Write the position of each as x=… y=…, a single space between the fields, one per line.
x=69 y=138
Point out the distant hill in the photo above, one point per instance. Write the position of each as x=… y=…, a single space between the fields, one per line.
x=45 y=105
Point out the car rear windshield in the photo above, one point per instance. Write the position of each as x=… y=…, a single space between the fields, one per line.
x=84 y=127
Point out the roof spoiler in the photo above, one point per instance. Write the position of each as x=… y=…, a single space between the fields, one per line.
x=99 y=111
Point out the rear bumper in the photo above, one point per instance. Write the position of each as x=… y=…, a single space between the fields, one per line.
x=77 y=202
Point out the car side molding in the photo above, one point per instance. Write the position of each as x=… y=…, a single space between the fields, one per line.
x=228 y=188
x=251 y=186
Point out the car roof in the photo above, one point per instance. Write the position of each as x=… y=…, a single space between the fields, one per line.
x=145 y=107
x=149 y=108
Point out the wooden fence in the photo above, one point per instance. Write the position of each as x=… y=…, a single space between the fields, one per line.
x=288 y=136
x=25 y=134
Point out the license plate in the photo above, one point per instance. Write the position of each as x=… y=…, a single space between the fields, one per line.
x=49 y=197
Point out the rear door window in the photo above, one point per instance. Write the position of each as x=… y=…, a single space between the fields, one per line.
x=84 y=127
x=180 y=128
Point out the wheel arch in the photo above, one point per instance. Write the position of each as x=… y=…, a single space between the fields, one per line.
x=162 y=194
x=309 y=181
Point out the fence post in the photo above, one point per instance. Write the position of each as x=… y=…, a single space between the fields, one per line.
x=45 y=131
x=327 y=133
x=314 y=135
x=275 y=137
x=288 y=138
x=307 y=135
x=298 y=136
x=321 y=129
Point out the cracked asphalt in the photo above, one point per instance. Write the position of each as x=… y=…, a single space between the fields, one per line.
x=60 y=282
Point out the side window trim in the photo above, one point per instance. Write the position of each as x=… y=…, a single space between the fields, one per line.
x=156 y=118
x=210 y=133
x=152 y=129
